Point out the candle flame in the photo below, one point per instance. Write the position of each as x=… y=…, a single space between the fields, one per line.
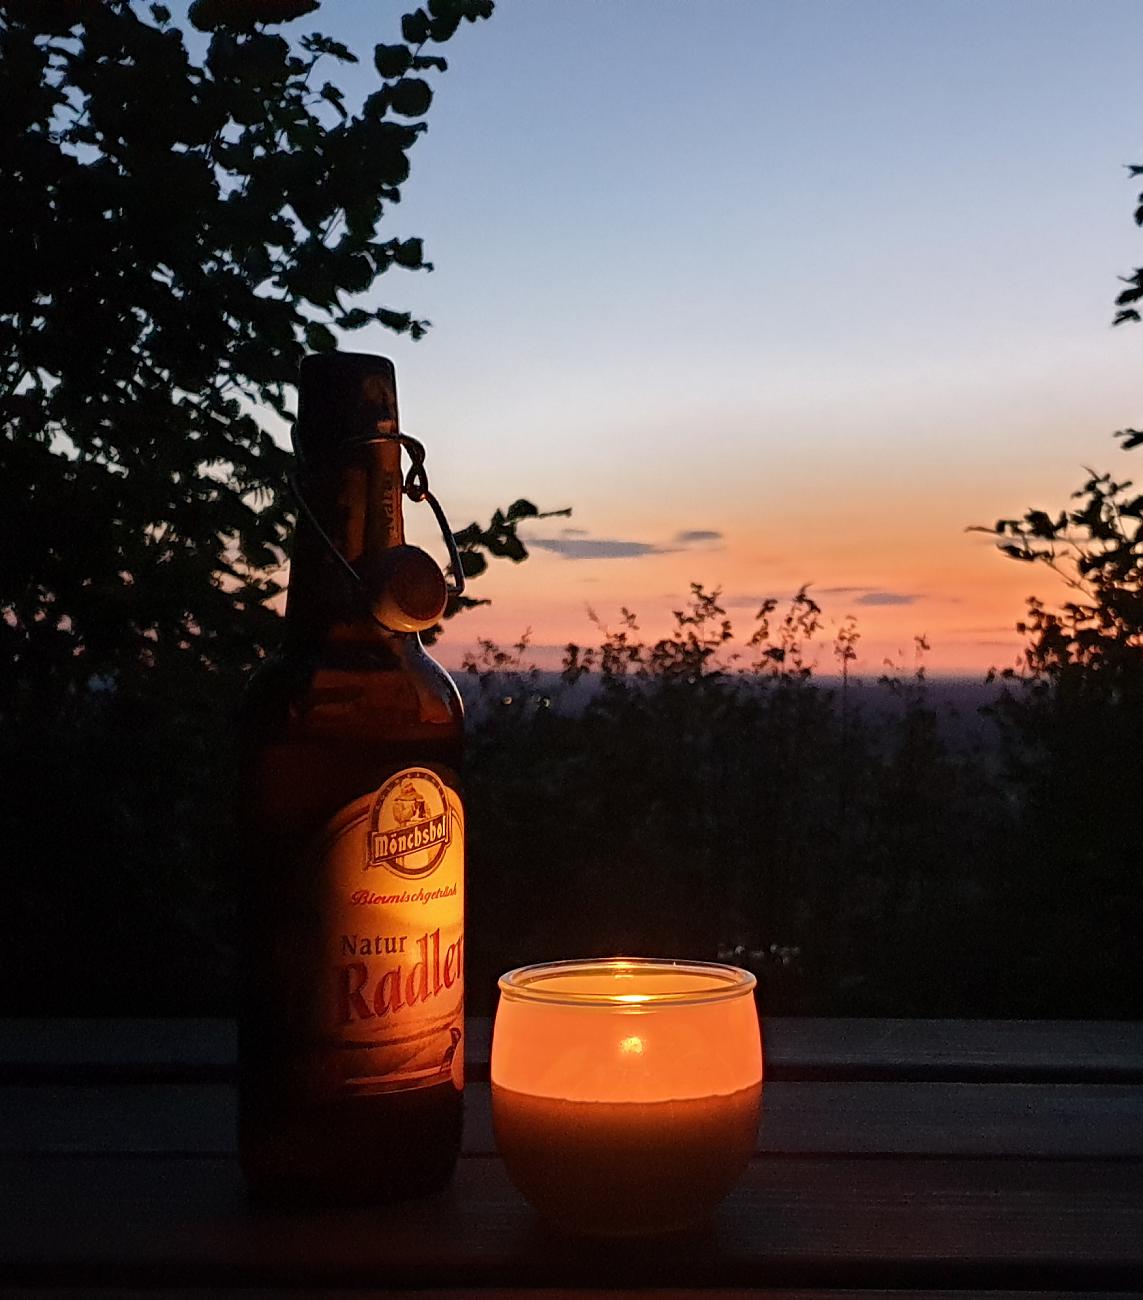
x=632 y=997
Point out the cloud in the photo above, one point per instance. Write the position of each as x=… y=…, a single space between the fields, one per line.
x=597 y=548
x=690 y=535
x=869 y=595
x=862 y=596
x=886 y=598
x=577 y=544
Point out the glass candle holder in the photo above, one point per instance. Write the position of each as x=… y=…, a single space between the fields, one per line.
x=626 y=1091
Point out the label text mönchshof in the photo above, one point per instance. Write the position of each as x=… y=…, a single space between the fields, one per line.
x=386 y=845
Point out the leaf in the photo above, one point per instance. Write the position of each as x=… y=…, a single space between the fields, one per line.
x=205 y=14
x=256 y=262
x=521 y=509
x=472 y=563
x=161 y=14
x=376 y=105
x=318 y=44
x=409 y=253
x=355 y=273
x=333 y=95
x=443 y=28
x=470 y=535
x=508 y=546
x=319 y=338
x=282 y=11
x=354 y=319
x=1041 y=524
x=398 y=321
x=415 y=27
x=392 y=60
x=411 y=97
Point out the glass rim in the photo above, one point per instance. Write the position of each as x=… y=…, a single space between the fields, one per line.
x=525 y=983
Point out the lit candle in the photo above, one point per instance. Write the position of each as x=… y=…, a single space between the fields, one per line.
x=626 y=1091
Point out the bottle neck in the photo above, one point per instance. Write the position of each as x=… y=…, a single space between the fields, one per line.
x=357 y=498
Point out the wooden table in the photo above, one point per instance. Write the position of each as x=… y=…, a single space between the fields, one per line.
x=918 y=1156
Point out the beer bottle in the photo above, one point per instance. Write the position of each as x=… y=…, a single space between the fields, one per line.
x=352 y=1012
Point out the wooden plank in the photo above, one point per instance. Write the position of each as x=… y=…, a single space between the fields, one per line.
x=970 y=1051
x=969 y=1120
x=1014 y=1051
x=1025 y=1120
x=801 y=1222
x=551 y=1293
x=128 y=1050
x=170 y=1119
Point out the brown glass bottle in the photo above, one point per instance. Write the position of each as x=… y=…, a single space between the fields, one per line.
x=351 y=1021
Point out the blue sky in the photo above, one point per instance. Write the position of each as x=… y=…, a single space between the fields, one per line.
x=831 y=280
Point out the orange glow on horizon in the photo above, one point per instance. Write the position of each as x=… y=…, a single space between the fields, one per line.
x=888 y=546
x=964 y=605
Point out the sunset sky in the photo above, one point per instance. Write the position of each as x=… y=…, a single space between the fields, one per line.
x=770 y=293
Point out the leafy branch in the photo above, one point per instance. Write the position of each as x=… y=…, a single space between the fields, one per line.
x=178 y=230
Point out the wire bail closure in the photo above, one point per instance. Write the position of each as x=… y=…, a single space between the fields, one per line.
x=415 y=486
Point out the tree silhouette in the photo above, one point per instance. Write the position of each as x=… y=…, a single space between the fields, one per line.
x=177 y=229
x=1070 y=720
x=1096 y=548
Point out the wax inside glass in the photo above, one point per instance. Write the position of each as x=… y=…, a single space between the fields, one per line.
x=627 y=1030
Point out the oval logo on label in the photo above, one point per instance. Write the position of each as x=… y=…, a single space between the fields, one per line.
x=410 y=824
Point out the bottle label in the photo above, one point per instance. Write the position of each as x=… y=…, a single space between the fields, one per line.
x=390 y=876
